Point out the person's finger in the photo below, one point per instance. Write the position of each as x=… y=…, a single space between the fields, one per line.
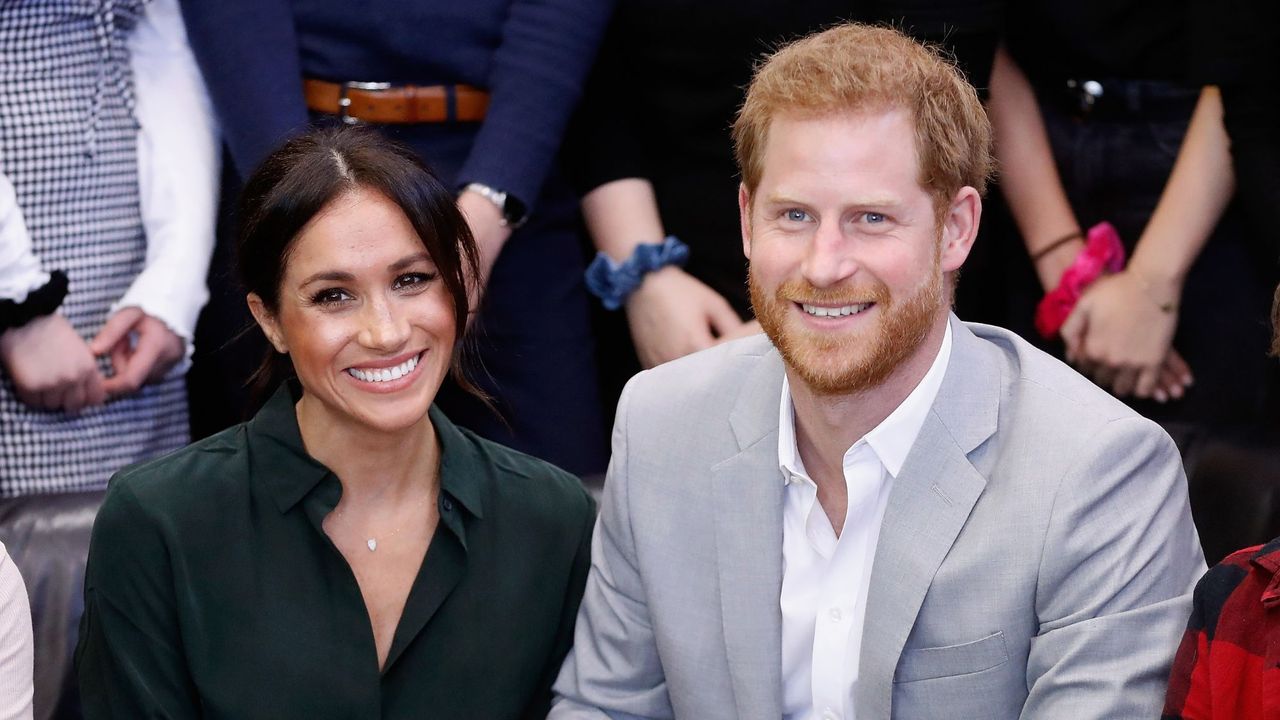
x=73 y=397
x=49 y=398
x=1124 y=381
x=133 y=373
x=1179 y=367
x=724 y=319
x=93 y=392
x=115 y=330
x=1073 y=334
x=1169 y=386
x=1104 y=375
x=1148 y=380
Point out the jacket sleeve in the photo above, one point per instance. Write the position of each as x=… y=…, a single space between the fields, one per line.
x=613 y=670
x=20 y=270
x=247 y=51
x=1119 y=561
x=538 y=70
x=178 y=171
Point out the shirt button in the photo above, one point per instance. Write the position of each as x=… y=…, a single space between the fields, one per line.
x=447 y=504
x=835 y=614
x=830 y=714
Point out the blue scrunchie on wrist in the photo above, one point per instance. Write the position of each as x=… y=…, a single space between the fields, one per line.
x=612 y=282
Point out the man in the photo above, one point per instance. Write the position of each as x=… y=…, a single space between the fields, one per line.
x=877 y=510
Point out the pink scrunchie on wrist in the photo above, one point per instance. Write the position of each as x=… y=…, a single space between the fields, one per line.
x=1103 y=253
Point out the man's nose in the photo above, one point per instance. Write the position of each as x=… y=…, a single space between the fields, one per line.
x=830 y=257
x=384 y=327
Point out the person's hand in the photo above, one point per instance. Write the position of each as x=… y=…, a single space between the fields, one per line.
x=673 y=314
x=1119 y=335
x=145 y=357
x=750 y=327
x=485 y=221
x=51 y=365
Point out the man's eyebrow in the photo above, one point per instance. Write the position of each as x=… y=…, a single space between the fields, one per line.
x=868 y=202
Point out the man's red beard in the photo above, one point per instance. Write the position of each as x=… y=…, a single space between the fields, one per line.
x=838 y=363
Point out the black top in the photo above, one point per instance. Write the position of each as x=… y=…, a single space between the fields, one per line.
x=669 y=80
x=212 y=590
x=1053 y=40
x=1241 y=54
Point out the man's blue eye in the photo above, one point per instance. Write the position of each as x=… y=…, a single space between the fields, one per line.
x=875 y=218
x=797 y=215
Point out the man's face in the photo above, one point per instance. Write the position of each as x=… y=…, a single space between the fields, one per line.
x=846 y=255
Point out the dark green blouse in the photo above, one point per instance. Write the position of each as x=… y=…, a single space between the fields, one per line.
x=212 y=591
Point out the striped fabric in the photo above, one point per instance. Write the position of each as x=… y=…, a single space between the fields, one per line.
x=68 y=143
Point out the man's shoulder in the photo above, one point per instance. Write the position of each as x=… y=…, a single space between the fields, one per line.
x=711 y=377
x=1034 y=382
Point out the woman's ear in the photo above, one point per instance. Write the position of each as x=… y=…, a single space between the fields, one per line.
x=267 y=321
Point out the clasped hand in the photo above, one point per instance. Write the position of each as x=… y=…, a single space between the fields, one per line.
x=1120 y=336
x=673 y=314
x=55 y=369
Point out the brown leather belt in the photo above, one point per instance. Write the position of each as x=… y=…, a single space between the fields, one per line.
x=385 y=103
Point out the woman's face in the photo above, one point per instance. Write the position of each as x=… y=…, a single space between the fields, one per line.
x=364 y=316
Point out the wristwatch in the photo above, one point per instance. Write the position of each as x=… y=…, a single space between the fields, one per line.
x=514 y=213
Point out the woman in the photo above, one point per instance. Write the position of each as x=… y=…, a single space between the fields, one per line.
x=348 y=552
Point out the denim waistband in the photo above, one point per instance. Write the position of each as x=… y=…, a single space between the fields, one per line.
x=1110 y=99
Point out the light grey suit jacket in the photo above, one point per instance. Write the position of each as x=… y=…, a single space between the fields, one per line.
x=1036 y=558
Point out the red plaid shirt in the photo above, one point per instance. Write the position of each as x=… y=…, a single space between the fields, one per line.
x=1228 y=665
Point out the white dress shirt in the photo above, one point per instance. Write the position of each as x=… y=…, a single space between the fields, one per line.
x=179 y=163
x=825 y=577
x=16 y=644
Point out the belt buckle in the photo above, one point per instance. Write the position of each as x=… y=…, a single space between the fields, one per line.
x=1087 y=93
x=344 y=101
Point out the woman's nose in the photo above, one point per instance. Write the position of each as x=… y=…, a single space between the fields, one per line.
x=384 y=327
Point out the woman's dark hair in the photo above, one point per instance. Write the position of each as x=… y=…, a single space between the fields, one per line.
x=307 y=173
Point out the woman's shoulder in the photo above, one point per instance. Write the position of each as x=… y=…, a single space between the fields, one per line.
x=188 y=478
x=524 y=482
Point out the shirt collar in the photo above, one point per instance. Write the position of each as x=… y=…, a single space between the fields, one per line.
x=278 y=457
x=1267 y=559
x=892 y=439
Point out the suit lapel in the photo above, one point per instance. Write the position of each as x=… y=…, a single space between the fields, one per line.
x=748 y=528
x=928 y=506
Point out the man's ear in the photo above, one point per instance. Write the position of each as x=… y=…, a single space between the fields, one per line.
x=744 y=217
x=960 y=227
x=267 y=321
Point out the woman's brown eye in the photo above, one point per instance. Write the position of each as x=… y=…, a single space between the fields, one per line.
x=329 y=296
x=409 y=280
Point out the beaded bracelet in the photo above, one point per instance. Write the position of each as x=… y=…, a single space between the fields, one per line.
x=613 y=282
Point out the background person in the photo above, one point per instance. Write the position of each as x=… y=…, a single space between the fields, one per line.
x=1108 y=111
x=349 y=551
x=108 y=174
x=482 y=91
